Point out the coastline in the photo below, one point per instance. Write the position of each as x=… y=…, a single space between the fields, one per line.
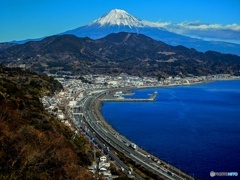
x=97 y=106
x=177 y=85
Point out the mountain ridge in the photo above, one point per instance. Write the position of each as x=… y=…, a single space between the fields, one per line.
x=130 y=53
x=120 y=21
x=118 y=17
x=109 y=23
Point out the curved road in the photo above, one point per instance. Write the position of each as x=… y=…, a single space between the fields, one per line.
x=109 y=141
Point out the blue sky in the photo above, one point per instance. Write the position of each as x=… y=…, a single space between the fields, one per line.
x=24 y=19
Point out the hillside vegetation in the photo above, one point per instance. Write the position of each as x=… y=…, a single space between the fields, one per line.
x=130 y=53
x=33 y=144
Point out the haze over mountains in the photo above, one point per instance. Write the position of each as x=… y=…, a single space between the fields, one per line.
x=121 y=21
x=130 y=53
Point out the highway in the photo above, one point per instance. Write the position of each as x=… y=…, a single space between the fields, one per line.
x=91 y=129
x=110 y=141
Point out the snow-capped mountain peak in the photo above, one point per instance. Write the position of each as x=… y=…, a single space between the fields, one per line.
x=120 y=18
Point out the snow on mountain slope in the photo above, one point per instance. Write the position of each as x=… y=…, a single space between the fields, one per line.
x=120 y=21
x=118 y=17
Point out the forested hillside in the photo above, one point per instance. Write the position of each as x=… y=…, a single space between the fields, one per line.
x=33 y=144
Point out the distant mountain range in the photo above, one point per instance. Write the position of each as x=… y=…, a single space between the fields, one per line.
x=130 y=53
x=121 y=21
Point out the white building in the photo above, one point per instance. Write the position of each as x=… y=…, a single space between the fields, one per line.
x=103 y=159
x=72 y=103
x=112 y=83
x=104 y=165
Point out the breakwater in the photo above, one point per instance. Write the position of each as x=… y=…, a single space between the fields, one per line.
x=150 y=161
x=111 y=98
x=202 y=119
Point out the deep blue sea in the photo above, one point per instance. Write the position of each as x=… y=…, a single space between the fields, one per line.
x=195 y=128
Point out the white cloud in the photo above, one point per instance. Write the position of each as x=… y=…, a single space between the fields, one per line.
x=157 y=24
x=197 y=25
x=228 y=33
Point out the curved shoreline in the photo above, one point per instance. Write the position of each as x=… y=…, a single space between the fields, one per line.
x=98 y=103
x=97 y=106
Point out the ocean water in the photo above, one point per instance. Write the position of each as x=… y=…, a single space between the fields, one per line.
x=195 y=128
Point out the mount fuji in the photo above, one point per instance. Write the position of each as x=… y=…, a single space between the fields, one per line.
x=120 y=21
